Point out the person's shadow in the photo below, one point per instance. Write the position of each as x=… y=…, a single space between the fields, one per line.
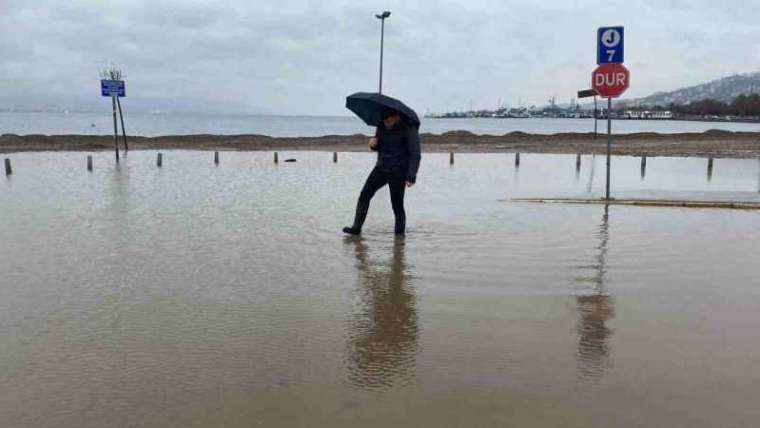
x=382 y=338
x=594 y=309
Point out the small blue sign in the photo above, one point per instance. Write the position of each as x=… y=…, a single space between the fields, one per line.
x=609 y=45
x=113 y=88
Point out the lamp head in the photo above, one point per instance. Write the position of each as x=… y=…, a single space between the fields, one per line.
x=383 y=15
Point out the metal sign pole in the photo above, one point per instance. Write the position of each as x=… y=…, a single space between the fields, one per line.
x=609 y=144
x=115 y=129
x=123 y=131
x=591 y=93
x=596 y=116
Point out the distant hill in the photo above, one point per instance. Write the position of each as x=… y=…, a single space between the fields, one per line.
x=724 y=89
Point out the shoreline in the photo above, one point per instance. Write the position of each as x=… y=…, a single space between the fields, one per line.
x=713 y=143
x=604 y=119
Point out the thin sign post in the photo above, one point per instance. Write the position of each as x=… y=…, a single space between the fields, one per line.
x=123 y=130
x=596 y=116
x=115 y=130
x=609 y=147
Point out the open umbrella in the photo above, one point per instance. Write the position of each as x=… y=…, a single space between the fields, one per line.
x=370 y=106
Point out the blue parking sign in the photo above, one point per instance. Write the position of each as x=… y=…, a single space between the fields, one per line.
x=609 y=45
x=112 y=88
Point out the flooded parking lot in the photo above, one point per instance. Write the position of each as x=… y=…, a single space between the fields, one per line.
x=226 y=295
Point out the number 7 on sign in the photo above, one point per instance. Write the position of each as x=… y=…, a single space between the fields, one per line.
x=609 y=45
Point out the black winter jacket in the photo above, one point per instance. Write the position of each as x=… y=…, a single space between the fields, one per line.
x=398 y=150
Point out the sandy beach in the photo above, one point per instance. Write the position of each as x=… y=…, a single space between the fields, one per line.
x=714 y=143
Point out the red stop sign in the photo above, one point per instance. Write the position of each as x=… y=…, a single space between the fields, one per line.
x=610 y=80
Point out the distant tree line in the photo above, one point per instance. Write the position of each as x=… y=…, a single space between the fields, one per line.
x=743 y=105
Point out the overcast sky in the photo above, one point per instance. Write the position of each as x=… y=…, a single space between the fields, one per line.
x=303 y=57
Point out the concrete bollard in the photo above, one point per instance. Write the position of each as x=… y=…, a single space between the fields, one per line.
x=335 y=157
x=451 y=158
x=517 y=159
x=159 y=160
x=275 y=157
x=216 y=158
x=8 y=170
x=89 y=163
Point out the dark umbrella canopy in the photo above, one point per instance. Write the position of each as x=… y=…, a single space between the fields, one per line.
x=370 y=106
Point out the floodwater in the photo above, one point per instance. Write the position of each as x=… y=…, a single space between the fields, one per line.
x=203 y=295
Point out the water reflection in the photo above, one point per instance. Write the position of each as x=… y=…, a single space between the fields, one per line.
x=643 y=168
x=591 y=174
x=595 y=308
x=382 y=343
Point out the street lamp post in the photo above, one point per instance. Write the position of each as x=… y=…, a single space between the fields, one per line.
x=382 y=17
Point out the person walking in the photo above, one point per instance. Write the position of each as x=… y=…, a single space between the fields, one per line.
x=397 y=144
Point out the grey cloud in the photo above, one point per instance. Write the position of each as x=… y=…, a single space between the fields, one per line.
x=302 y=57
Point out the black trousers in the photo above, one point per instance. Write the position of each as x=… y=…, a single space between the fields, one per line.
x=377 y=179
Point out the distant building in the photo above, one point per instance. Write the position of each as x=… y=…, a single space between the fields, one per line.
x=648 y=114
